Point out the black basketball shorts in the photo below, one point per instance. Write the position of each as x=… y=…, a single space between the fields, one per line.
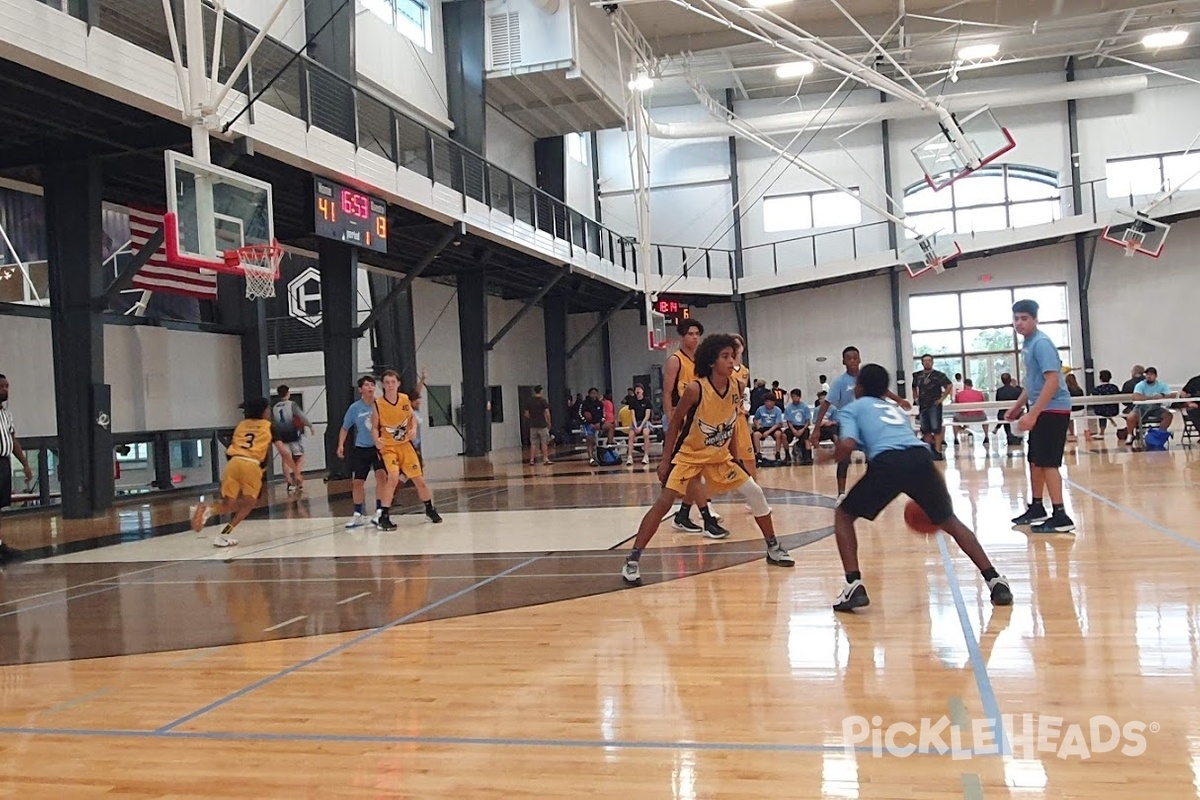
x=894 y=472
x=363 y=461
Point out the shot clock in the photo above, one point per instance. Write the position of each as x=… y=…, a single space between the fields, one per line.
x=348 y=215
x=674 y=311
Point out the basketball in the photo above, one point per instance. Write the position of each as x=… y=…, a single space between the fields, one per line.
x=298 y=423
x=916 y=518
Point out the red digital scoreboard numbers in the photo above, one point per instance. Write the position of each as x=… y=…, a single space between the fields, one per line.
x=350 y=216
x=674 y=311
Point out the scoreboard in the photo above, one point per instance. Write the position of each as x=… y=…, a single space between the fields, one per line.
x=347 y=215
x=674 y=311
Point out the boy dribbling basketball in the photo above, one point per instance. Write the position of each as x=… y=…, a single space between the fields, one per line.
x=242 y=482
x=897 y=463
x=697 y=445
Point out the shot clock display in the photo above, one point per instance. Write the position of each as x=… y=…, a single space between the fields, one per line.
x=674 y=311
x=350 y=216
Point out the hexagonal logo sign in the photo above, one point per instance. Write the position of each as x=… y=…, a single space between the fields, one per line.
x=304 y=297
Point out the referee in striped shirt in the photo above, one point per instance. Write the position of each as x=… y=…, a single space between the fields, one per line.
x=9 y=446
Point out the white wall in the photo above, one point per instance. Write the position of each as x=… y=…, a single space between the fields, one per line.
x=518 y=360
x=586 y=368
x=403 y=69
x=29 y=366
x=288 y=28
x=435 y=323
x=1154 y=296
x=580 y=181
x=510 y=147
x=788 y=332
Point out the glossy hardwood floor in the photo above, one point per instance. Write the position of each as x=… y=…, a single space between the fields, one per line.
x=512 y=662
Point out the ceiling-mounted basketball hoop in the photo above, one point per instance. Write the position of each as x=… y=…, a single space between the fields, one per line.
x=657 y=331
x=961 y=147
x=926 y=253
x=1137 y=233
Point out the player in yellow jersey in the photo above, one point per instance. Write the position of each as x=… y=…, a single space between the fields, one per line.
x=742 y=445
x=678 y=373
x=242 y=482
x=697 y=446
x=395 y=427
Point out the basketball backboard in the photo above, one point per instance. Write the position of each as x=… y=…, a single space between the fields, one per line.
x=656 y=329
x=212 y=211
x=944 y=160
x=1137 y=233
x=931 y=252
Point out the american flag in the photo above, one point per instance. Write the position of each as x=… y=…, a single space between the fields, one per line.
x=159 y=276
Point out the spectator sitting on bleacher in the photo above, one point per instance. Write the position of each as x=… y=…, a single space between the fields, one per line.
x=829 y=427
x=758 y=396
x=1106 y=411
x=1192 y=408
x=1008 y=392
x=591 y=417
x=798 y=417
x=768 y=422
x=778 y=393
x=969 y=394
x=639 y=414
x=1143 y=413
x=1136 y=374
x=610 y=417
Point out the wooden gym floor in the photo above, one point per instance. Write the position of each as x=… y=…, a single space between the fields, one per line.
x=499 y=655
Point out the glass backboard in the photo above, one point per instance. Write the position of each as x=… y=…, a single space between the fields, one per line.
x=944 y=160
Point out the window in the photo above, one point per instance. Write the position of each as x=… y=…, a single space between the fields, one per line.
x=992 y=198
x=1148 y=175
x=971 y=333
x=410 y=17
x=831 y=208
x=579 y=148
x=437 y=407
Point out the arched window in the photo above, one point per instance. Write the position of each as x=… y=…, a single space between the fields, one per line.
x=992 y=198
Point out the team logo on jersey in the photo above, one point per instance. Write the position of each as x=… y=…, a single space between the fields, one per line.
x=718 y=435
x=398 y=433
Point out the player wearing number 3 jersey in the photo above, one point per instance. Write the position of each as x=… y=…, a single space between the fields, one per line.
x=242 y=482
x=897 y=463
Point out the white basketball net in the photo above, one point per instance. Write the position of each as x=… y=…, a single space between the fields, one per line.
x=1132 y=241
x=260 y=266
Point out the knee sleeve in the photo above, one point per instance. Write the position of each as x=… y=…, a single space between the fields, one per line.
x=755 y=498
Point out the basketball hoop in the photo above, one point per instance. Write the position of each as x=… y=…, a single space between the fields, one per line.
x=1133 y=241
x=259 y=265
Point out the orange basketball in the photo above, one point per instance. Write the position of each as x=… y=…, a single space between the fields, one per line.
x=916 y=518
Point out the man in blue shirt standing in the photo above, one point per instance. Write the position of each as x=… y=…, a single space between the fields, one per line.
x=897 y=463
x=841 y=394
x=798 y=416
x=364 y=458
x=1047 y=421
x=768 y=422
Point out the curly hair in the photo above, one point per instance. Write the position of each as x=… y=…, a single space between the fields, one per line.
x=709 y=351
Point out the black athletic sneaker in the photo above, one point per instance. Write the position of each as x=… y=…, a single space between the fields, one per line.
x=1034 y=514
x=854 y=595
x=434 y=517
x=713 y=529
x=1001 y=593
x=385 y=523
x=682 y=523
x=1055 y=523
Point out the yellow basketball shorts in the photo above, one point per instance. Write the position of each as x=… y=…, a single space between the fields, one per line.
x=242 y=478
x=720 y=478
x=401 y=457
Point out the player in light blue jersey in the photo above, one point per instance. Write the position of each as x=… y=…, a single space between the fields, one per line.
x=841 y=394
x=897 y=463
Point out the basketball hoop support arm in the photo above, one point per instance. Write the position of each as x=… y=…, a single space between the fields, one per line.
x=224 y=88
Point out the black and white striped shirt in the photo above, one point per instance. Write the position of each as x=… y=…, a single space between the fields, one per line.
x=7 y=433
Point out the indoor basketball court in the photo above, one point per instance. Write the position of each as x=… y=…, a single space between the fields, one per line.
x=343 y=251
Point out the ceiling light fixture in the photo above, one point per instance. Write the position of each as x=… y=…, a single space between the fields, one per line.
x=642 y=83
x=1160 y=39
x=975 y=52
x=794 y=69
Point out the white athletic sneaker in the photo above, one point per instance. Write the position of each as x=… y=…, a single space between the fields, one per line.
x=631 y=572
x=645 y=460
x=629 y=462
x=375 y=519
x=356 y=521
x=779 y=557
x=840 y=498
x=224 y=541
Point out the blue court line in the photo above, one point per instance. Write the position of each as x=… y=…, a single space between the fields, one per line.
x=344 y=646
x=986 y=693
x=483 y=741
x=1192 y=543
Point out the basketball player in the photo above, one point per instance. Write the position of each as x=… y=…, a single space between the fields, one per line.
x=742 y=445
x=286 y=412
x=697 y=445
x=9 y=447
x=392 y=424
x=841 y=394
x=897 y=463
x=242 y=482
x=678 y=373
x=364 y=457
